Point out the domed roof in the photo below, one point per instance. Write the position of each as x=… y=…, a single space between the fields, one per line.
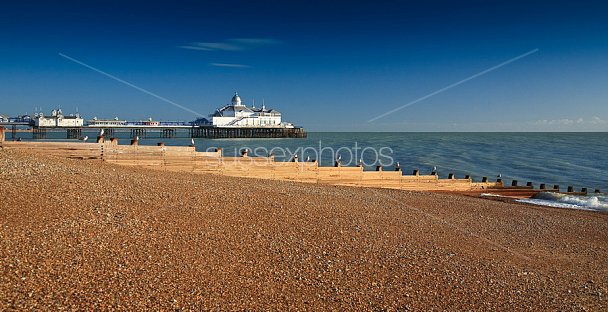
x=236 y=99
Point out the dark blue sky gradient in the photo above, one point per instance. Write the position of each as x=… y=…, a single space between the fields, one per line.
x=332 y=66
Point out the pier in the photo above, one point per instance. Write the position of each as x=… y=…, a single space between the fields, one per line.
x=235 y=120
x=170 y=130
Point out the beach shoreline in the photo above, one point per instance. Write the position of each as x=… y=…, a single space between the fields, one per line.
x=88 y=234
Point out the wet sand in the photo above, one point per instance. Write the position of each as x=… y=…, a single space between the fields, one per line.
x=88 y=235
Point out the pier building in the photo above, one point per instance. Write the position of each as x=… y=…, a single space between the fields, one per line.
x=57 y=119
x=237 y=114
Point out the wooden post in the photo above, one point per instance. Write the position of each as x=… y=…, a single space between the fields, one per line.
x=100 y=139
x=379 y=168
x=160 y=143
x=135 y=141
x=597 y=191
x=245 y=153
x=114 y=141
x=451 y=176
x=570 y=189
x=514 y=183
x=556 y=187
x=1 y=135
x=416 y=172
x=543 y=186
x=529 y=184
x=467 y=176
x=584 y=190
x=484 y=179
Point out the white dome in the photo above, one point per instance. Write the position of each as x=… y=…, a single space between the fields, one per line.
x=236 y=99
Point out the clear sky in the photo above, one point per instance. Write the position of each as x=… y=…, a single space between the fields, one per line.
x=326 y=65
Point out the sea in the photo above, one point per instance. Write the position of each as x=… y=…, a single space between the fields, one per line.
x=564 y=159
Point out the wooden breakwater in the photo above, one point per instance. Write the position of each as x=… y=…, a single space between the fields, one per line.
x=186 y=159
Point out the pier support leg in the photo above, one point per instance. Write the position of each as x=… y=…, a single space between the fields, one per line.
x=167 y=133
x=39 y=133
x=73 y=133
x=138 y=132
x=107 y=132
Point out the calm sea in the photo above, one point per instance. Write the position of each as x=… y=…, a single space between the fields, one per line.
x=577 y=159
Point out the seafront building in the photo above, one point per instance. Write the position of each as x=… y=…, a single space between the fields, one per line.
x=57 y=119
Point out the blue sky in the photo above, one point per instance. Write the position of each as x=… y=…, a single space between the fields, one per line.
x=328 y=66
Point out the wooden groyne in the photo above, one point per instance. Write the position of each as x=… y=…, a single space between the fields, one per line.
x=187 y=159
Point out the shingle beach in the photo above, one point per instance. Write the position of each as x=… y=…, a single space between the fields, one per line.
x=87 y=235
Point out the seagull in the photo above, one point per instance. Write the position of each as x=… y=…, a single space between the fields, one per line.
x=137 y=138
x=499 y=175
x=361 y=162
x=339 y=157
x=192 y=141
x=308 y=158
x=101 y=132
x=398 y=165
x=434 y=168
x=85 y=138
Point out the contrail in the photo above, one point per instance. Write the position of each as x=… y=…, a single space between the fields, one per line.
x=454 y=84
x=130 y=84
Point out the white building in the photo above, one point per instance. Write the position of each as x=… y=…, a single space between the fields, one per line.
x=237 y=114
x=3 y=118
x=57 y=119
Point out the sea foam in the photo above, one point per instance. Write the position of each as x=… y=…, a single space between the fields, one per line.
x=595 y=202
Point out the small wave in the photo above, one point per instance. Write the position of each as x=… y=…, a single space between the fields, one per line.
x=490 y=195
x=584 y=202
